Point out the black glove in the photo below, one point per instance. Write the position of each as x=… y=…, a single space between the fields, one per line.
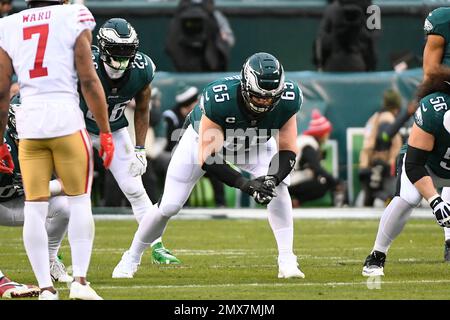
x=441 y=211
x=262 y=189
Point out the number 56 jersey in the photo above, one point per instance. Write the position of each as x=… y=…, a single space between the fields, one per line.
x=41 y=44
x=433 y=116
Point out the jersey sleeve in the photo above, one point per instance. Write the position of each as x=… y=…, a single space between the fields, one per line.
x=438 y=23
x=292 y=100
x=150 y=69
x=206 y=105
x=83 y=19
x=424 y=117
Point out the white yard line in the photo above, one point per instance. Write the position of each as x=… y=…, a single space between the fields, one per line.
x=319 y=213
x=300 y=283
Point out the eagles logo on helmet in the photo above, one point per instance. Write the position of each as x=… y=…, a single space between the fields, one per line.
x=118 y=43
x=262 y=82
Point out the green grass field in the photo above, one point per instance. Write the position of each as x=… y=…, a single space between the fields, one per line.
x=236 y=259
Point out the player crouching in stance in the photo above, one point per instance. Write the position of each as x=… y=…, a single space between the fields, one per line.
x=235 y=121
x=423 y=166
x=12 y=202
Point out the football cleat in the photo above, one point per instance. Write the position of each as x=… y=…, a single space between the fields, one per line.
x=161 y=255
x=288 y=268
x=126 y=268
x=58 y=271
x=47 y=295
x=447 y=250
x=79 y=291
x=374 y=264
x=11 y=290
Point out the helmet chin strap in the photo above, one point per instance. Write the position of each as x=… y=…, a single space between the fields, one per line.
x=113 y=73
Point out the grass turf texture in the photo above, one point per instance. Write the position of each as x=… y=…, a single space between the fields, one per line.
x=236 y=259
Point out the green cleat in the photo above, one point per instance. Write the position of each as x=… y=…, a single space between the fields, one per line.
x=161 y=255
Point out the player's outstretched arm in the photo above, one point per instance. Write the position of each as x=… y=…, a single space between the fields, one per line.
x=141 y=114
x=283 y=162
x=90 y=84
x=211 y=142
x=432 y=56
x=420 y=145
x=93 y=93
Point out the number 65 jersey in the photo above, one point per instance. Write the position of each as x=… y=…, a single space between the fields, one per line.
x=40 y=42
x=433 y=117
x=222 y=102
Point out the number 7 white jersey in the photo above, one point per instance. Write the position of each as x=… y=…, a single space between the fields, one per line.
x=41 y=42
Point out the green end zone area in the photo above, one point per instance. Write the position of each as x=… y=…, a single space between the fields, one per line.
x=236 y=259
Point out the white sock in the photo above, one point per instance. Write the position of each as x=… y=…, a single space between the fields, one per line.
x=447 y=233
x=36 y=241
x=156 y=241
x=392 y=223
x=1 y=274
x=285 y=239
x=281 y=221
x=140 y=205
x=150 y=229
x=56 y=224
x=81 y=233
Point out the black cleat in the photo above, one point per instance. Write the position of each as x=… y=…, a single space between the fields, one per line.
x=447 y=250
x=374 y=264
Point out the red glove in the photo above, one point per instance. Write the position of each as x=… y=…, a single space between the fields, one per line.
x=7 y=164
x=106 y=148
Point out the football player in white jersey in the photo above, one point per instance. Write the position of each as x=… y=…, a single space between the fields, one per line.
x=48 y=47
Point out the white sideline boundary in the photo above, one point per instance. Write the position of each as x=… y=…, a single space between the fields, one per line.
x=316 y=213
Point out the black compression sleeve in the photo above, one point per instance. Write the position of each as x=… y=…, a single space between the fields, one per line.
x=216 y=166
x=281 y=165
x=415 y=164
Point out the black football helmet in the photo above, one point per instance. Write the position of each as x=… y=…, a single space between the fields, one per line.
x=118 y=43
x=262 y=82
x=12 y=130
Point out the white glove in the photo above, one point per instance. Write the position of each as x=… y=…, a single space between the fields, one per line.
x=441 y=211
x=139 y=164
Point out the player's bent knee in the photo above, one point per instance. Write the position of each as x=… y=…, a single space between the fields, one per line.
x=170 y=210
x=59 y=207
x=133 y=191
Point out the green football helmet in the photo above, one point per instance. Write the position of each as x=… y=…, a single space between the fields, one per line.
x=118 y=43
x=262 y=83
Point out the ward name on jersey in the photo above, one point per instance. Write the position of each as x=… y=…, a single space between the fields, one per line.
x=222 y=102
x=432 y=117
x=119 y=92
x=438 y=22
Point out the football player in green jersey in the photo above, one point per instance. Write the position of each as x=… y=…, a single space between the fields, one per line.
x=236 y=121
x=12 y=202
x=436 y=54
x=422 y=168
x=436 y=60
x=126 y=74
